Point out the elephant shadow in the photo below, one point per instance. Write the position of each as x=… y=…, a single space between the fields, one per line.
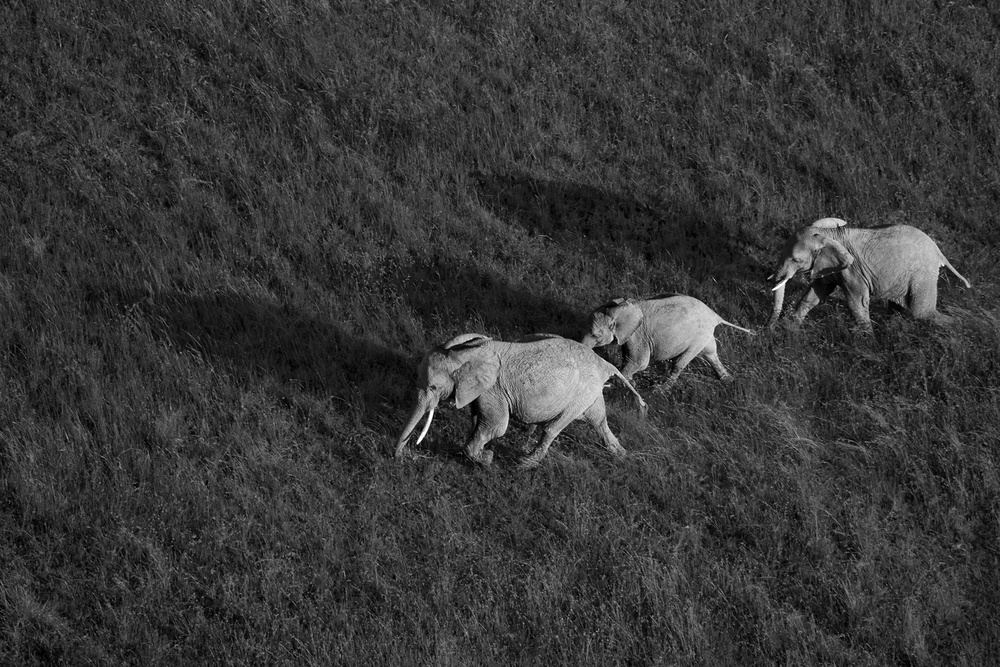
x=656 y=232
x=308 y=357
x=454 y=292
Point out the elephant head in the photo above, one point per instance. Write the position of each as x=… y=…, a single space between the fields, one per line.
x=615 y=322
x=461 y=369
x=814 y=250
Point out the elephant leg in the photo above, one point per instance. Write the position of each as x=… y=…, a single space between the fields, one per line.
x=636 y=358
x=817 y=294
x=552 y=430
x=529 y=434
x=711 y=355
x=679 y=364
x=491 y=416
x=858 y=303
x=597 y=416
x=474 y=409
x=921 y=301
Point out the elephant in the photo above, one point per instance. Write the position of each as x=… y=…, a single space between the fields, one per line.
x=897 y=263
x=664 y=327
x=547 y=380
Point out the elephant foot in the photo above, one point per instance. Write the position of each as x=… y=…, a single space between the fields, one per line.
x=617 y=451
x=529 y=462
x=940 y=318
x=484 y=458
x=727 y=379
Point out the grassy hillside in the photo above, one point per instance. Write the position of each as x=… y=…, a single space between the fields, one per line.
x=231 y=228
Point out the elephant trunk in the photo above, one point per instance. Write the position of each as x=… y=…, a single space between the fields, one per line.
x=422 y=406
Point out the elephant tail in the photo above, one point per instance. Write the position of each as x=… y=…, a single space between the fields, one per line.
x=736 y=326
x=643 y=408
x=957 y=274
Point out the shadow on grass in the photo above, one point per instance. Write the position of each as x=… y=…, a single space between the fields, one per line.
x=451 y=292
x=310 y=360
x=253 y=337
x=656 y=232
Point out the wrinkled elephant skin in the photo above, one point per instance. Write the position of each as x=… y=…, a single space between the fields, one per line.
x=545 y=380
x=897 y=263
x=669 y=327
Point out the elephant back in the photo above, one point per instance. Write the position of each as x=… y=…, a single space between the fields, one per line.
x=898 y=241
x=664 y=295
x=533 y=338
x=571 y=351
x=607 y=368
x=679 y=307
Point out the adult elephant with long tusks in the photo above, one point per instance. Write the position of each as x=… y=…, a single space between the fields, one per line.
x=549 y=381
x=897 y=263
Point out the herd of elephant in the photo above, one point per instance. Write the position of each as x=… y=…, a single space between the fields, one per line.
x=549 y=381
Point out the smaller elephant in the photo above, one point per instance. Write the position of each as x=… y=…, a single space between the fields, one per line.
x=670 y=327
x=897 y=263
x=547 y=380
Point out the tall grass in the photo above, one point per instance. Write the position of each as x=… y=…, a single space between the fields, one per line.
x=231 y=228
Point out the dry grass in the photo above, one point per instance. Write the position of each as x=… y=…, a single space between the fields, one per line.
x=231 y=228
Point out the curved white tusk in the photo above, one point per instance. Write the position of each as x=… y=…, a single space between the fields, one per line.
x=781 y=284
x=427 y=425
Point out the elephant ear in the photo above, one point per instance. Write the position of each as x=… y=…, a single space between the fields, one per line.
x=831 y=258
x=626 y=319
x=467 y=340
x=477 y=372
